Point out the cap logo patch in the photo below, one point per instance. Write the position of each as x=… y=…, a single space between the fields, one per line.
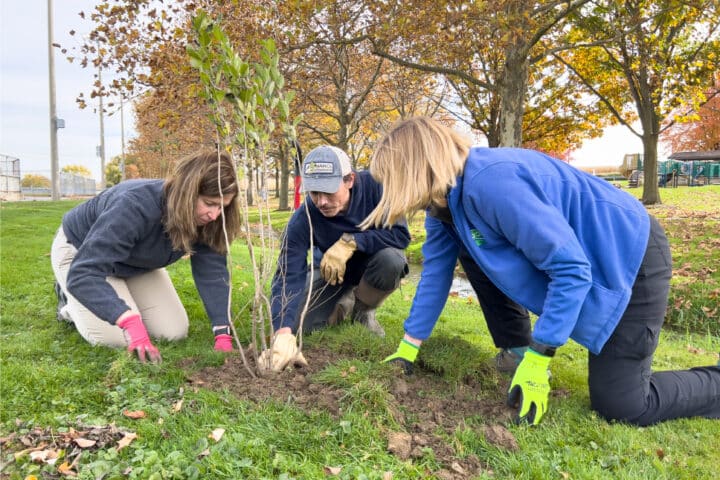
x=319 y=168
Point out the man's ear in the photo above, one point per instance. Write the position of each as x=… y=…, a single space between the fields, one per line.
x=351 y=182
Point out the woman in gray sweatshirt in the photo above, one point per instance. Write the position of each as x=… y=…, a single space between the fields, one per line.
x=110 y=252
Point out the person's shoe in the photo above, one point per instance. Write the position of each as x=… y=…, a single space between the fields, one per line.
x=508 y=359
x=366 y=316
x=61 y=302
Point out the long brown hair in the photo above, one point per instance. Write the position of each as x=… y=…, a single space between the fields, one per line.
x=206 y=173
x=417 y=162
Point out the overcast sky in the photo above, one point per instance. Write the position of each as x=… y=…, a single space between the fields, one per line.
x=24 y=90
x=24 y=96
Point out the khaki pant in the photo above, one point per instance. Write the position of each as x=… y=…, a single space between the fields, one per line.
x=151 y=294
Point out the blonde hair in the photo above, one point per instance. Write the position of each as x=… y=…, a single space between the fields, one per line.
x=417 y=162
x=207 y=173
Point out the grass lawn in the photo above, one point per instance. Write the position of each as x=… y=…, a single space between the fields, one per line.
x=67 y=407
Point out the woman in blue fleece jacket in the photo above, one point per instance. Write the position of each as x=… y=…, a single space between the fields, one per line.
x=582 y=255
x=110 y=252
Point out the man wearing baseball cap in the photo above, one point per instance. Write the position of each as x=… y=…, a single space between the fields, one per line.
x=352 y=271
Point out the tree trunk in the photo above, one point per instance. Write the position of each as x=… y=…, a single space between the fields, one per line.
x=651 y=191
x=250 y=174
x=512 y=96
x=284 y=177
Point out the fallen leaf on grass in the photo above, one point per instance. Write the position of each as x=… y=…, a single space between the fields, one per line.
x=66 y=469
x=204 y=453
x=695 y=350
x=126 y=440
x=84 y=442
x=48 y=456
x=332 y=470
x=217 y=434
x=388 y=476
x=135 y=414
x=177 y=405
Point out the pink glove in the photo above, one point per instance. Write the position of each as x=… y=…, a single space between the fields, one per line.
x=223 y=342
x=139 y=340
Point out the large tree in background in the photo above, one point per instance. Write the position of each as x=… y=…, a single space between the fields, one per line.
x=342 y=87
x=487 y=51
x=644 y=59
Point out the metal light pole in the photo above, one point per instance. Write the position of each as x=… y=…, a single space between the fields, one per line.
x=122 y=141
x=101 y=148
x=54 y=176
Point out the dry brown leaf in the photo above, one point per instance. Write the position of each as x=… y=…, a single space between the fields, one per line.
x=332 y=470
x=217 y=434
x=135 y=414
x=66 y=469
x=126 y=440
x=204 y=453
x=177 y=405
x=695 y=350
x=84 y=442
x=48 y=456
x=388 y=476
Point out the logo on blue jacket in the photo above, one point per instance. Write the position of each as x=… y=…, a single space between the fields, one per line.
x=477 y=237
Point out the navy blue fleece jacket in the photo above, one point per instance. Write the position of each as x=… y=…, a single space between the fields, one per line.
x=289 y=281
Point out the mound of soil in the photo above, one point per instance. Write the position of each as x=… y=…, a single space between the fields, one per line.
x=436 y=408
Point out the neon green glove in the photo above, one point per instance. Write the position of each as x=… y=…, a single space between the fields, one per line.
x=405 y=355
x=530 y=388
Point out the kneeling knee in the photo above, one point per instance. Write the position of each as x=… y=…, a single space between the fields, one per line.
x=620 y=410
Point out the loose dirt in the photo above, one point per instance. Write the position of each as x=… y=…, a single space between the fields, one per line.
x=429 y=409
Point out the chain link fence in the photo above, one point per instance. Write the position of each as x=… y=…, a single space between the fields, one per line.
x=11 y=189
x=9 y=178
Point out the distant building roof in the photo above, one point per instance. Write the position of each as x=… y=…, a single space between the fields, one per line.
x=687 y=156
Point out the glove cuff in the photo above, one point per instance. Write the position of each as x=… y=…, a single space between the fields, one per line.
x=537 y=358
x=131 y=321
x=542 y=348
x=407 y=350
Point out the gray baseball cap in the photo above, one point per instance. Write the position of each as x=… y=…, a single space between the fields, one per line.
x=324 y=168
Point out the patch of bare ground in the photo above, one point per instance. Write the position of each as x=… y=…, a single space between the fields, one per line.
x=429 y=409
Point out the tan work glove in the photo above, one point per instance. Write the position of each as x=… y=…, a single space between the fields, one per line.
x=332 y=266
x=282 y=352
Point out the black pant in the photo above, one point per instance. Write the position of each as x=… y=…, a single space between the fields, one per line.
x=382 y=271
x=622 y=385
x=508 y=322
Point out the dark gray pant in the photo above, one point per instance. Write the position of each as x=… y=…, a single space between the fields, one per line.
x=382 y=271
x=622 y=385
x=508 y=322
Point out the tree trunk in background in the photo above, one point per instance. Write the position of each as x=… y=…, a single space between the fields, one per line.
x=512 y=98
x=284 y=177
x=651 y=191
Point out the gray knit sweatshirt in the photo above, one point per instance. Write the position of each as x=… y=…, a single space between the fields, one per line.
x=119 y=233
